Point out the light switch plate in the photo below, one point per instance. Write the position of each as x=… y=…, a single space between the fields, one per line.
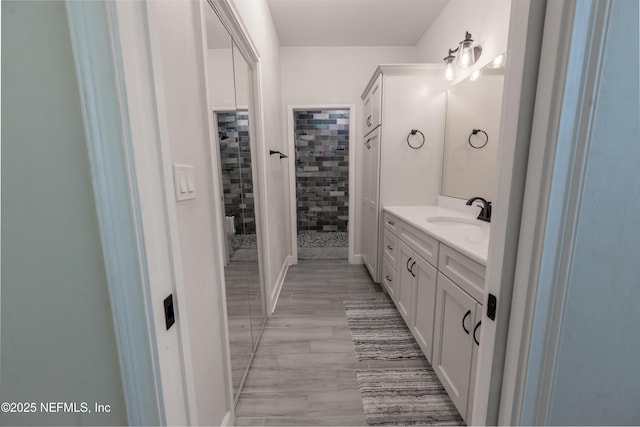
x=184 y=179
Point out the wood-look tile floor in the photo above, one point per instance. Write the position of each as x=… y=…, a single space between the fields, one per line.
x=304 y=370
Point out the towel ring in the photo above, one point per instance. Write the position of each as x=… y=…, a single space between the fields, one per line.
x=413 y=132
x=475 y=132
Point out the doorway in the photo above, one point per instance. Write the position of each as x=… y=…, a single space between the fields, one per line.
x=321 y=170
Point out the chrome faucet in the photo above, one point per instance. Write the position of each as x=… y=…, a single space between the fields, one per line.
x=485 y=212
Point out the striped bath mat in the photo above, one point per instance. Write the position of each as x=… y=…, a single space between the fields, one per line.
x=378 y=331
x=408 y=396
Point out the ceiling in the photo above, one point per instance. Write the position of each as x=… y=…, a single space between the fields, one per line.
x=353 y=22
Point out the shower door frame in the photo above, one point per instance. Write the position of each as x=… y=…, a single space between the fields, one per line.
x=291 y=108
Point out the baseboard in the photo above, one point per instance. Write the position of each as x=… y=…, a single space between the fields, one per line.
x=357 y=259
x=279 y=282
x=228 y=419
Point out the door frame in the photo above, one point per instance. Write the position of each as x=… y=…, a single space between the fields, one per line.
x=540 y=176
x=570 y=67
x=526 y=25
x=291 y=108
x=133 y=196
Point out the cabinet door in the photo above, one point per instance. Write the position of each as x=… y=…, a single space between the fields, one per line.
x=366 y=120
x=407 y=285
x=366 y=166
x=474 y=358
x=376 y=103
x=453 y=340
x=424 y=305
x=373 y=106
x=371 y=201
x=365 y=234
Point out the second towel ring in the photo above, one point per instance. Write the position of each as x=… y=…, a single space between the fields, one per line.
x=475 y=132
x=413 y=132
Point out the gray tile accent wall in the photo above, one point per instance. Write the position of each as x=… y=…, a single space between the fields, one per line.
x=322 y=169
x=235 y=158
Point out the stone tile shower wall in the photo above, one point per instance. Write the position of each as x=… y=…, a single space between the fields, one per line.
x=322 y=170
x=235 y=158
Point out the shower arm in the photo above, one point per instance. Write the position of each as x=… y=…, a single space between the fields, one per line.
x=272 y=152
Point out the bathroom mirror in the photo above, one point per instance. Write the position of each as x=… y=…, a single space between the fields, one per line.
x=229 y=86
x=474 y=106
x=249 y=239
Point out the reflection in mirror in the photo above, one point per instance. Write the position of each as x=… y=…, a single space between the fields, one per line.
x=247 y=244
x=227 y=75
x=471 y=134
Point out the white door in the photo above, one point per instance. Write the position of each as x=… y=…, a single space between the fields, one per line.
x=424 y=305
x=453 y=342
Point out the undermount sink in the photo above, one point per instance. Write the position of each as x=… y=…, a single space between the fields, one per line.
x=471 y=230
x=454 y=221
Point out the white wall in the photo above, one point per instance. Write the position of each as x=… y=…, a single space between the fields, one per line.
x=181 y=65
x=337 y=75
x=58 y=340
x=256 y=17
x=486 y=20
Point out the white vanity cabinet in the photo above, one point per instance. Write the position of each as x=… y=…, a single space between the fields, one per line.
x=417 y=297
x=457 y=325
x=414 y=289
x=457 y=315
x=437 y=290
x=391 y=256
x=398 y=99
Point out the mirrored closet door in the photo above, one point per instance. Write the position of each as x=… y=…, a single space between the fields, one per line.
x=229 y=83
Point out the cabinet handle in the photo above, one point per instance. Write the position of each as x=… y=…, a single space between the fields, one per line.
x=409 y=269
x=390 y=247
x=391 y=223
x=388 y=279
x=474 y=332
x=369 y=120
x=465 y=318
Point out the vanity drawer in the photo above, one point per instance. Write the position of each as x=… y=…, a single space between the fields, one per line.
x=424 y=245
x=389 y=279
x=465 y=272
x=390 y=248
x=391 y=223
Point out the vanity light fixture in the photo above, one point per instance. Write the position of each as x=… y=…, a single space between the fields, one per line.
x=475 y=75
x=467 y=55
x=450 y=70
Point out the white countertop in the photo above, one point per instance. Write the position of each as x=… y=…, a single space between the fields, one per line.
x=470 y=240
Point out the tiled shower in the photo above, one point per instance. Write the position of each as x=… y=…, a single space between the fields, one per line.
x=237 y=182
x=322 y=183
